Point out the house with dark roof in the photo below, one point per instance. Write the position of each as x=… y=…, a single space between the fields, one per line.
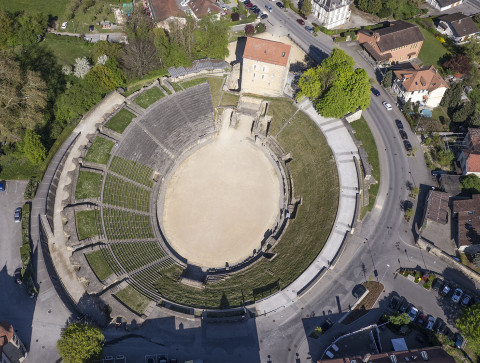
x=398 y=42
x=469 y=157
x=444 y=4
x=437 y=207
x=12 y=349
x=331 y=13
x=417 y=84
x=467 y=214
x=265 y=67
x=458 y=27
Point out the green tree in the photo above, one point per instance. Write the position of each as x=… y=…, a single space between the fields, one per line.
x=399 y=319
x=7 y=29
x=260 y=28
x=471 y=184
x=388 y=79
x=110 y=49
x=370 y=6
x=452 y=96
x=169 y=53
x=31 y=28
x=445 y=157
x=33 y=147
x=464 y=112
x=332 y=103
x=469 y=325
x=80 y=343
x=241 y=9
x=472 y=50
x=306 y=7
x=211 y=38
x=106 y=77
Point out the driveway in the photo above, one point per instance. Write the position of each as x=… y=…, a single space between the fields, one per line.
x=15 y=305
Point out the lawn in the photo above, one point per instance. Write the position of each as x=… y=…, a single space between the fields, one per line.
x=215 y=84
x=88 y=185
x=66 y=48
x=86 y=224
x=149 y=97
x=280 y=109
x=120 y=121
x=48 y=7
x=16 y=166
x=432 y=49
x=229 y=99
x=99 y=264
x=86 y=16
x=176 y=87
x=439 y=113
x=99 y=151
x=315 y=178
x=363 y=134
x=133 y=299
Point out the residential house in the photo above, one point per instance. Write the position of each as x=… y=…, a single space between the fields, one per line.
x=201 y=8
x=444 y=4
x=417 y=84
x=458 y=27
x=398 y=42
x=12 y=349
x=467 y=213
x=265 y=67
x=165 y=10
x=469 y=157
x=437 y=207
x=331 y=13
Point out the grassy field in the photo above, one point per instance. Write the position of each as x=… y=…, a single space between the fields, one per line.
x=363 y=134
x=229 y=99
x=86 y=224
x=176 y=87
x=149 y=97
x=215 y=84
x=133 y=300
x=432 y=49
x=48 y=7
x=67 y=48
x=99 y=151
x=280 y=109
x=88 y=185
x=16 y=166
x=99 y=265
x=316 y=180
x=120 y=121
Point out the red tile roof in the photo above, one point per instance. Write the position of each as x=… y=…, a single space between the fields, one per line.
x=267 y=51
x=164 y=9
x=468 y=211
x=420 y=79
x=474 y=135
x=473 y=161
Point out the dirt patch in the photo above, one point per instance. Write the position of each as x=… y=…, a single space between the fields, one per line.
x=374 y=290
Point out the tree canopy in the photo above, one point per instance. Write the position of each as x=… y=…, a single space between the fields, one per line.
x=335 y=87
x=399 y=319
x=80 y=343
x=471 y=183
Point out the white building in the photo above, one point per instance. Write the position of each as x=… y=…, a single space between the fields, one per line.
x=444 y=4
x=417 y=84
x=331 y=13
x=458 y=27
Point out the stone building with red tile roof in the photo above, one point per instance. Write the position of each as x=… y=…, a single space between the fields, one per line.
x=265 y=67
x=417 y=84
x=12 y=349
x=398 y=42
x=469 y=158
x=467 y=214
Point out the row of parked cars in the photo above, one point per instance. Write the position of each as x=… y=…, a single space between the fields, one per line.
x=403 y=135
x=256 y=10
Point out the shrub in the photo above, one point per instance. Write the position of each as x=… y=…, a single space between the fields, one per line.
x=31 y=188
x=235 y=16
x=385 y=13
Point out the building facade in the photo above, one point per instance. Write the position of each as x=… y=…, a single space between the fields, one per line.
x=12 y=349
x=469 y=158
x=458 y=27
x=265 y=67
x=396 y=43
x=417 y=84
x=443 y=5
x=331 y=13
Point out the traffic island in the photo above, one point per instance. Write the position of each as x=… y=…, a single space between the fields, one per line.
x=365 y=304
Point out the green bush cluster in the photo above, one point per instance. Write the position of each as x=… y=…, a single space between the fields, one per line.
x=31 y=188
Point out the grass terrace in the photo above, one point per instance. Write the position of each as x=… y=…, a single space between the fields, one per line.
x=135 y=255
x=280 y=109
x=88 y=185
x=215 y=84
x=147 y=278
x=315 y=178
x=432 y=49
x=133 y=300
x=67 y=49
x=88 y=224
x=176 y=87
x=99 y=151
x=166 y=90
x=121 y=193
x=229 y=99
x=99 y=264
x=149 y=97
x=120 y=121
x=131 y=170
x=126 y=225
x=363 y=134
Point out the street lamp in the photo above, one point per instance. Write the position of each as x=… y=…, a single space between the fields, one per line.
x=384 y=273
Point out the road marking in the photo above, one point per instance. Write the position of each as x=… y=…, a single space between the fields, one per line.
x=378 y=206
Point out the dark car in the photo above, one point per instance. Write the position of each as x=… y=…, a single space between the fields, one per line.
x=263 y=16
x=403 y=307
x=445 y=290
x=254 y=7
x=326 y=325
x=18 y=214
x=421 y=319
x=407 y=145
x=358 y=291
x=459 y=341
x=279 y=4
x=403 y=134
x=394 y=303
x=399 y=124
x=375 y=91
x=437 y=324
x=18 y=276
x=302 y=16
x=438 y=172
x=437 y=284
x=300 y=21
x=249 y=5
x=309 y=29
x=3 y=185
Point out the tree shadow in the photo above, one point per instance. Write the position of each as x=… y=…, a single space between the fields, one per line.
x=420 y=210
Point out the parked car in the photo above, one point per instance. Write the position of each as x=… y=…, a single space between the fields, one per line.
x=439 y=325
x=445 y=290
x=399 y=124
x=403 y=134
x=249 y=5
x=437 y=284
x=375 y=91
x=269 y=8
x=438 y=172
x=263 y=16
x=162 y=359
x=18 y=214
x=407 y=145
x=300 y=21
x=279 y=4
x=387 y=105
x=467 y=299
x=18 y=276
x=394 y=303
x=64 y=25
x=309 y=29
x=459 y=341
x=326 y=325
x=421 y=319
x=412 y=313
x=430 y=322
x=403 y=307
x=358 y=291
x=302 y=16
x=457 y=295
x=3 y=185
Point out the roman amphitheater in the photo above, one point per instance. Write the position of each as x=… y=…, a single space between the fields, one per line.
x=185 y=203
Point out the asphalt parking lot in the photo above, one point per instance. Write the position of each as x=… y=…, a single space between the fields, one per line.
x=15 y=305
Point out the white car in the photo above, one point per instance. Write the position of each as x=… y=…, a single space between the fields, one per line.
x=457 y=295
x=64 y=25
x=387 y=105
x=430 y=322
x=412 y=313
